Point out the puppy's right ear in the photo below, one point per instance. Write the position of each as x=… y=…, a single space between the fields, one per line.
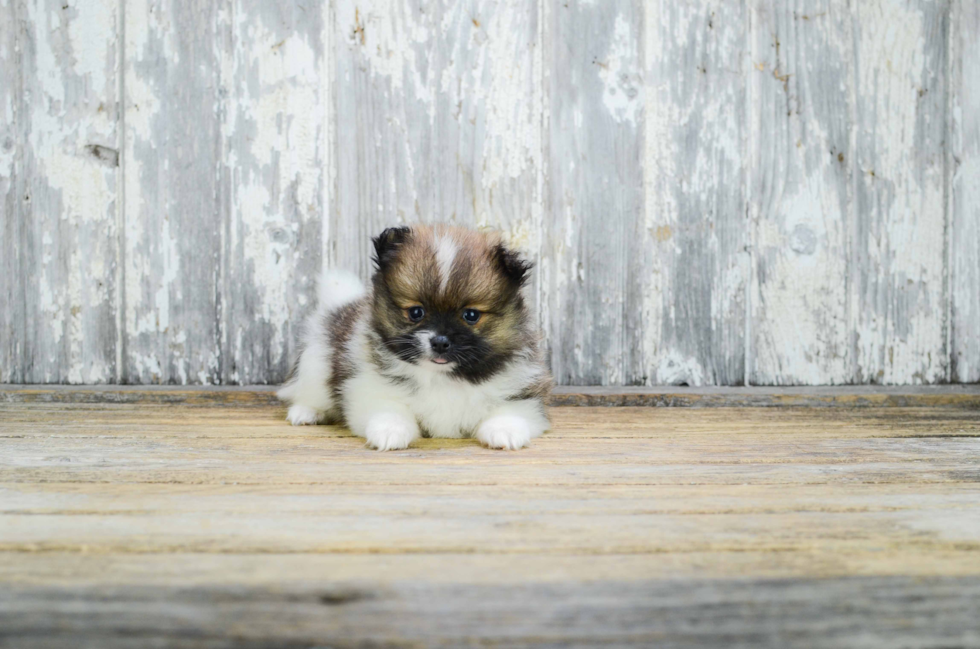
x=386 y=245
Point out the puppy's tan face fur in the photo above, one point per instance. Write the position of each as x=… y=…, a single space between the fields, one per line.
x=449 y=297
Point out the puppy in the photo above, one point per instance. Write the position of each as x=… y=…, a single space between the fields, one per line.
x=441 y=345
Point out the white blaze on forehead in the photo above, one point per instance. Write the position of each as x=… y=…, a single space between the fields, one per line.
x=445 y=254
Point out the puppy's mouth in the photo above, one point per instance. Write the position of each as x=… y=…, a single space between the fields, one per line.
x=440 y=360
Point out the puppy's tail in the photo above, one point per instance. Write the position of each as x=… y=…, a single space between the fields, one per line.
x=338 y=288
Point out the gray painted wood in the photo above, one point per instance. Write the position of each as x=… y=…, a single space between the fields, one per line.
x=59 y=179
x=849 y=231
x=13 y=357
x=964 y=178
x=172 y=218
x=438 y=118
x=799 y=191
x=594 y=237
x=271 y=179
x=897 y=226
x=694 y=231
x=712 y=191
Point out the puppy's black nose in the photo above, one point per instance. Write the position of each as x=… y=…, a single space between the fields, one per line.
x=440 y=344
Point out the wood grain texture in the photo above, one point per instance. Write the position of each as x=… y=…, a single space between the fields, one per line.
x=215 y=527
x=273 y=172
x=964 y=178
x=226 y=172
x=825 y=613
x=172 y=217
x=59 y=157
x=850 y=241
x=946 y=396
x=714 y=193
x=595 y=236
x=800 y=192
x=693 y=255
x=438 y=110
x=898 y=244
x=12 y=353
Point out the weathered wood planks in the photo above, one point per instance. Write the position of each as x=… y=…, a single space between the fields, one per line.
x=210 y=527
x=959 y=396
x=60 y=179
x=714 y=193
x=273 y=177
x=801 y=85
x=777 y=613
x=438 y=118
x=963 y=175
x=898 y=223
x=12 y=349
x=173 y=228
x=595 y=234
x=695 y=230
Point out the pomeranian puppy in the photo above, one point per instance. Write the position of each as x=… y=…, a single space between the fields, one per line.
x=441 y=345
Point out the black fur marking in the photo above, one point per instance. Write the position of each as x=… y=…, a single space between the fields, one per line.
x=386 y=244
x=476 y=359
x=482 y=369
x=514 y=268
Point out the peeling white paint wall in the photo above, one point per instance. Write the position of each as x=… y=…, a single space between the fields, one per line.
x=713 y=192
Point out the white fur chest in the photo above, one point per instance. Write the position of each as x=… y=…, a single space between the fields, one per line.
x=448 y=407
x=442 y=405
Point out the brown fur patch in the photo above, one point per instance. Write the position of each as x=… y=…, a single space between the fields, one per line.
x=340 y=328
x=540 y=389
x=476 y=279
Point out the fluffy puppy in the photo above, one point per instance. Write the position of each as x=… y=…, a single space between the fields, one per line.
x=441 y=345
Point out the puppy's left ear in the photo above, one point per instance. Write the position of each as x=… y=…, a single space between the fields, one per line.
x=515 y=268
x=386 y=244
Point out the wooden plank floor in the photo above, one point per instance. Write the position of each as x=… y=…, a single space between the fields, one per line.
x=219 y=526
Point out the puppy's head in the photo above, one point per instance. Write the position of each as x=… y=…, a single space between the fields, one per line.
x=449 y=299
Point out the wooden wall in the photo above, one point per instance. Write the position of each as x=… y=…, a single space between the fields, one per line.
x=714 y=191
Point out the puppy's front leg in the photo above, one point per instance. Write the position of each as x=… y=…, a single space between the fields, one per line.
x=390 y=429
x=513 y=425
x=377 y=412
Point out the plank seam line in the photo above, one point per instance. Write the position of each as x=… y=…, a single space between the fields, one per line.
x=749 y=147
x=95 y=548
x=120 y=374
x=223 y=197
x=850 y=228
x=948 y=186
x=515 y=484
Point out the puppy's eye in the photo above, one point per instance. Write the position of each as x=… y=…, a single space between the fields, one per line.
x=416 y=313
x=471 y=316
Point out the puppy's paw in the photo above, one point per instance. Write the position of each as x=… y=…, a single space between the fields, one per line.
x=302 y=416
x=504 y=431
x=390 y=432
